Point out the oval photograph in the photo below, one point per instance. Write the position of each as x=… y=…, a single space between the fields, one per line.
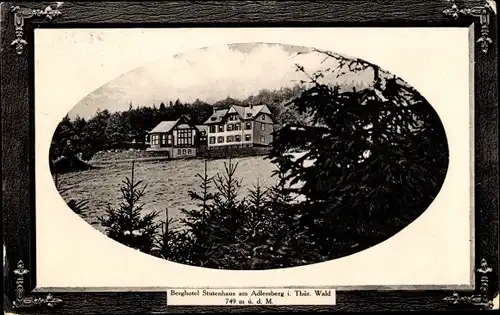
x=251 y=156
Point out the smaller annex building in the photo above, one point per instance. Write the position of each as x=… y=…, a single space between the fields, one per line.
x=177 y=137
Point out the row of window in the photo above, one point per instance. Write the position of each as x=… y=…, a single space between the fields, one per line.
x=231 y=127
x=156 y=139
x=235 y=117
x=184 y=137
x=236 y=138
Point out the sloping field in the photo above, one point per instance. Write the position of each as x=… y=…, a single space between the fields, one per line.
x=168 y=183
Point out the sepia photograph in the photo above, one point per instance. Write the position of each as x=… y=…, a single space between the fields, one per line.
x=236 y=156
x=251 y=156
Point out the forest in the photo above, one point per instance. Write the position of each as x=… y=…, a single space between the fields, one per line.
x=106 y=130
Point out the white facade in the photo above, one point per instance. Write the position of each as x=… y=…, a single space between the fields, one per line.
x=240 y=126
x=239 y=137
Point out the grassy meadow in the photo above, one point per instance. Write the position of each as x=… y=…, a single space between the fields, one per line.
x=168 y=183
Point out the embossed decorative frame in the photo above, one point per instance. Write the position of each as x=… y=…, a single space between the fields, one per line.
x=18 y=135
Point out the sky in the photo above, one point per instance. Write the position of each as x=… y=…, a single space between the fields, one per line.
x=209 y=74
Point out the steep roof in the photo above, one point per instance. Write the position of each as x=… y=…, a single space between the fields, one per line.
x=165 y=126
x=253 y=111
x=245 y=112
x=239 y=109
x=218 y=114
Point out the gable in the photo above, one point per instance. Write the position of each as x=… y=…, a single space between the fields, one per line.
x=184 y=123
x=264 y=118
x=217 y=116
x=245 y=113
x=252 y=112
x=164 y=126
x=265 y=110
x=240 y=110
x=183 y=126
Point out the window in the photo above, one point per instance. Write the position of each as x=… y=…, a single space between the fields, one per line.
x=249 y=114
x=179 y=151
x=185 y=137
x=203 y=133
x=147 y=139
x=263 y=117
x=212 y=129
x=221 y=128
x=163 y=139
x=229 y=139
x=263 y=127
x=237 y=126
x=213 y=118
x=212 y=140
x=248 y=126
x=189 y=151
x=247 y=138
x=230 y=127
x=169 y=139
x=183 y=151
x=237 y=138
x=220 y=140
x=262 y=139
x=155 y=139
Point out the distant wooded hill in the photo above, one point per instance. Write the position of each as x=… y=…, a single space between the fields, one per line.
x=106 y=130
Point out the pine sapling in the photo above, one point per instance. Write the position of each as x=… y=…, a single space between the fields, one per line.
x=126 y=224
x=197 y=220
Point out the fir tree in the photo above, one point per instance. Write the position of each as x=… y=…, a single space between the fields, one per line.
x=228 y=249
x=126 y=224
x=379 y=158
x=174 y=243
x=258 y=228
x=227 y=185
x=197 y=220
